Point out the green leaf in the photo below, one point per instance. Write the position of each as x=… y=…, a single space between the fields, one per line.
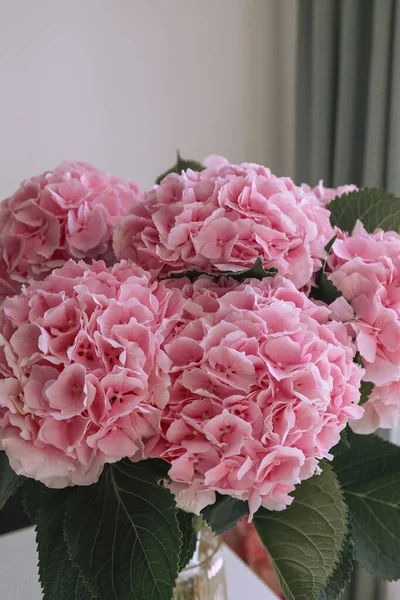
x=377 y=209
x=189 y=538
x=344 y=437
x=325 y=291
x=369 y=472
x=225 y=513
x=59 y=577
x=181 y=165
x=10 y=482
x=358 y=359
x=304 y=541
x=342 y=573
x=31 y=493
x=366 y=389
x=328 y=248
x=123 y=532
x=378 y=455
x=257 y=271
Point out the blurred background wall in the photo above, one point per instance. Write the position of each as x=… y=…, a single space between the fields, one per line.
x=123 y=83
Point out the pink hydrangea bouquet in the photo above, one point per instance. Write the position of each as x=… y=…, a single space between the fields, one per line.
x=224 y=345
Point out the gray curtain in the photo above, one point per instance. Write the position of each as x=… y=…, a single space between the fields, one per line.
x=348 y=119
x=348 y=93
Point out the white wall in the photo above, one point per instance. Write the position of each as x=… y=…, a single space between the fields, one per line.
x=123 y=83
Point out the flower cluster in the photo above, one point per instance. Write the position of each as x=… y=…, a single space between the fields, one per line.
x=82 y=378
x=223 y=219
x=366 y=269
x=326 y=195
x=262 y=383
x=70 y=212
x=242 y=387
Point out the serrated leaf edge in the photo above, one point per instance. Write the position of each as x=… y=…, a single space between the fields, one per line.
x=348 y=541
x=337 y=559
x=251 y=273
x=350 y=196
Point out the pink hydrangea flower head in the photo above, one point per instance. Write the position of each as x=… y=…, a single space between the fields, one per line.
x=326 y=195
x=82 y=378
x=223 y=219
x=382 y=410
x=366 y=269
x=262 y=383
x=70 y=212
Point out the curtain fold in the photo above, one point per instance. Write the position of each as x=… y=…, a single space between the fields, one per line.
x=393 y=147
x=347 y=92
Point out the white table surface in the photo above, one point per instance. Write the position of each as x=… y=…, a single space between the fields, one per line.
x=18 y=571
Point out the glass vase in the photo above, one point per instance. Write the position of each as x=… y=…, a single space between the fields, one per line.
x=204 y=577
